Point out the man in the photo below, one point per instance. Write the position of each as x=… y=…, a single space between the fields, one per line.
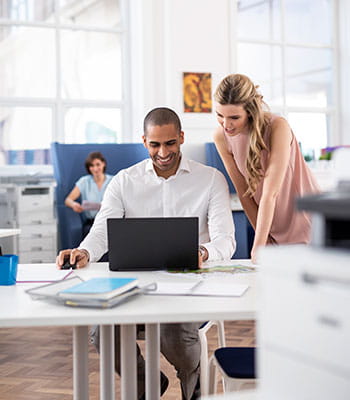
x=166 y=185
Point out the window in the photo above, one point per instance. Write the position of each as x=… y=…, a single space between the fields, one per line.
x=288 y=47
x=62 y=65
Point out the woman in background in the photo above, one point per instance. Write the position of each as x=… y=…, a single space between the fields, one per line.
x=264 y=161
x=90 y=188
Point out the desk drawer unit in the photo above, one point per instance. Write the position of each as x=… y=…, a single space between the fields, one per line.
x=37 y=243
x=304 y=326
x=320 y=325
x=293 y=378
x=37 y=257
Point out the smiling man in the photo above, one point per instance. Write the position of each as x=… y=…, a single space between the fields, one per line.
x=166 y=185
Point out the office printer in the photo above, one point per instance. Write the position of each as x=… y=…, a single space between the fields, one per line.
x=331 y=210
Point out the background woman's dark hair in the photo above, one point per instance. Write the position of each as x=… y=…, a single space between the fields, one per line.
x=93 y=156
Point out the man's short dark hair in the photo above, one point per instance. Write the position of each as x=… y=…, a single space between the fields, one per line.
x=161 y=116
x=90 y=159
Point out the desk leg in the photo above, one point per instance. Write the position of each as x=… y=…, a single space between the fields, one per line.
x=80 y=363
x=128 y=362
x=107 y=378
x=152 y=361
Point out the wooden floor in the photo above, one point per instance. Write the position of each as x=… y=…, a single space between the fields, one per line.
x=36 y=363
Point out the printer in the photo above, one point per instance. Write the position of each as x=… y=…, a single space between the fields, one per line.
x=331 y=210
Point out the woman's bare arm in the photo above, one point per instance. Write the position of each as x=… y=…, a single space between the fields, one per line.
x=281 y=137
x=249 y=205
x=70 y=200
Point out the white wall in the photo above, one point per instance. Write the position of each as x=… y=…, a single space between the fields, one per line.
x=170 y=37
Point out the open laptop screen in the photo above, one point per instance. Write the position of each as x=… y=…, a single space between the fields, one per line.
x=136 y=244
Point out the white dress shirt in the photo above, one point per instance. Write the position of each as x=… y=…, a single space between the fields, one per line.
x=196 y=190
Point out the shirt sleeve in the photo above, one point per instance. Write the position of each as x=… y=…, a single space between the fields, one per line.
x=222 y=243
x=96 y=242
x=81 y=183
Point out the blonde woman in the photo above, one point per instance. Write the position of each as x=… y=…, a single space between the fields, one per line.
x=263 y=159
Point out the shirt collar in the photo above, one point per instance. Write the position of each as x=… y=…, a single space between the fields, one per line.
x=184 y=166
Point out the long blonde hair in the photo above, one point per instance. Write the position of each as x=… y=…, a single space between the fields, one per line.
x=237 y=89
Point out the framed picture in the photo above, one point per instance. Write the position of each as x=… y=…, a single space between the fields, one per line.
x=197 y=92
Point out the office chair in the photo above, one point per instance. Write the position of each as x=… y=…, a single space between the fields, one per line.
x=204 y=361
x=68 y=164
x=237 y=366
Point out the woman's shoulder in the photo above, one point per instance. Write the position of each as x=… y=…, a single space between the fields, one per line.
x=280 y=128
x=83 y=179
x=219 y=135
x=109 y=177
x=276 y=121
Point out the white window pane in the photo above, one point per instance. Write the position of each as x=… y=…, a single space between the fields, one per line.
x=262 y=63
x=92 y=125
x=259 y=19
x=310 y=130
x=98 y=13
x=308 y=21
x=25 y=128
x=27 y=62
x=309 y=77
x=91 y=65
x=30 y=10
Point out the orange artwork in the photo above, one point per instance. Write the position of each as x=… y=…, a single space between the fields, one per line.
x=197 y=92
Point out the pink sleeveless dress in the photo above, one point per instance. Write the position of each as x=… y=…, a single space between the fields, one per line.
x=288 y=224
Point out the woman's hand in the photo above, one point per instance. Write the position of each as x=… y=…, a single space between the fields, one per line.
x=253 y=255
x=77 y=207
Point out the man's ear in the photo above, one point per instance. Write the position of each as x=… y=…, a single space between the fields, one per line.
x=144 y=141
x=182 y=137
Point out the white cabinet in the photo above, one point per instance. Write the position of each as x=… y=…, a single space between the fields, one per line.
x=29 y=207
x=304 y=323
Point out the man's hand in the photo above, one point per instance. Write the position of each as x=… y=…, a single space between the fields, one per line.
x=202 y=256
x=75 y=256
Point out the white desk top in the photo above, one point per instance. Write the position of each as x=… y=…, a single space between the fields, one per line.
x=9 y=232
x=18 y=309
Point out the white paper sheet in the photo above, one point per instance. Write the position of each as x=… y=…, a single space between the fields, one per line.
x=203 y=287
x=40 y=273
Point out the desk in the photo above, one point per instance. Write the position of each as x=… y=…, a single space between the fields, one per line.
x=149 y=310
x=9 y=232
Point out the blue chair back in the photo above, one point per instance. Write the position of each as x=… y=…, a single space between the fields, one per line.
x=69 y=165
x=213 y=159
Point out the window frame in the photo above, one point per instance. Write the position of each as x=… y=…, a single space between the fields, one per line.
x=57 y=104
x=330 y=111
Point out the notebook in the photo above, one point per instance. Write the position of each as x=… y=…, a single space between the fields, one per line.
x=99 y=288
x=137 y=244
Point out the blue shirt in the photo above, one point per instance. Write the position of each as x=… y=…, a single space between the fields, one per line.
x=89 y=191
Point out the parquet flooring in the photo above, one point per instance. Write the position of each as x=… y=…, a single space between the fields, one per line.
x=36 y=363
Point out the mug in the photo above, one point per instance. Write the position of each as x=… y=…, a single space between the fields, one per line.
x=8 y=269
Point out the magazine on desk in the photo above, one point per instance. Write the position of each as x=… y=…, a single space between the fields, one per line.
x=53 y=292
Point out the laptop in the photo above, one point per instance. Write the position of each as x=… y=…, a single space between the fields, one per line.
x=140 y=244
